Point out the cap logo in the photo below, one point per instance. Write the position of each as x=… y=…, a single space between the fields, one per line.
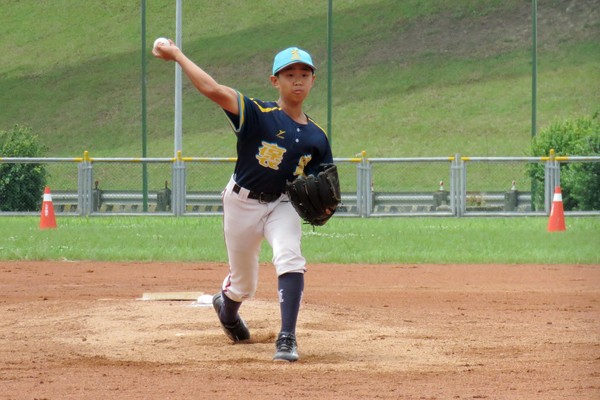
x=296 y=55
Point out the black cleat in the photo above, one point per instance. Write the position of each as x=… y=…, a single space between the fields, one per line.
x=238 y=331
x=286 y=348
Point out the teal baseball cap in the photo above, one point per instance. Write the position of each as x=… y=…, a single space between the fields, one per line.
x=289 y=56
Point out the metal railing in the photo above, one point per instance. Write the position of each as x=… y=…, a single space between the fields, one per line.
x=371 y=187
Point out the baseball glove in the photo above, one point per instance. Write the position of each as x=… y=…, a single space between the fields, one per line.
x=316 y=198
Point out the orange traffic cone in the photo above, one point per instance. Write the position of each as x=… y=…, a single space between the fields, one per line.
x=47 y=219
x=556 y=222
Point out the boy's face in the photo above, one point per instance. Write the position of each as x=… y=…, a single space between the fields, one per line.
x=294 y=82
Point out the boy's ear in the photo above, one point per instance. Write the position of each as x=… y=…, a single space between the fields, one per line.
x=274 y=81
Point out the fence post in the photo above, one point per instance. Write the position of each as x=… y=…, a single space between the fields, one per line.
x=463 y=186
x=458 y=186
x=84 y=185
x=178 y=202
x=364 y=193
x=369 y=189
x=551 y=180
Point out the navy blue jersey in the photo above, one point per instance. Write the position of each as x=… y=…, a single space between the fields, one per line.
x=272 y=148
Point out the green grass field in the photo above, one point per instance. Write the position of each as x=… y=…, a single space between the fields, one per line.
x=411 y=78
x=342 y=240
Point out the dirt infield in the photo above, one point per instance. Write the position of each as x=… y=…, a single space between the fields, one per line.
x=78 y=330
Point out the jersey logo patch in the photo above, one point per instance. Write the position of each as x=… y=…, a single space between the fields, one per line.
x=301 y=164
x=270 y=155
x=280 y=134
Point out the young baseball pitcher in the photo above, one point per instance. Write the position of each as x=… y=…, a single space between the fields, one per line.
x=276 y=143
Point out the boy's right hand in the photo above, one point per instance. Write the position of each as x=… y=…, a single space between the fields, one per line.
x=166 y=52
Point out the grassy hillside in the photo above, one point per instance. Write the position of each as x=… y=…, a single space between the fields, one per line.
x=411 y=77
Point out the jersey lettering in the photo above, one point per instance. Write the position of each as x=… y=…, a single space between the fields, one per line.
x=270 y=155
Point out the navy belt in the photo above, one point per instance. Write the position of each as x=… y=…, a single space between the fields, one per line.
x=260 y=196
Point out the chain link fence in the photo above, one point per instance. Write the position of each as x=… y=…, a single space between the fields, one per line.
x=440 y=186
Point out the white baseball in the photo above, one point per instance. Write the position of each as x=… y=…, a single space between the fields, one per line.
x=161 y=40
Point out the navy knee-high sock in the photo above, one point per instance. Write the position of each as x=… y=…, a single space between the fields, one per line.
x=291 y=286
x=229 y=311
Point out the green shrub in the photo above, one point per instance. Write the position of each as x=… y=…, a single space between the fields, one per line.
x=21 y=185
x=579 y=181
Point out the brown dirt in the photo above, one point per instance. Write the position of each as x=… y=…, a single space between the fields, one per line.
x=73 y=330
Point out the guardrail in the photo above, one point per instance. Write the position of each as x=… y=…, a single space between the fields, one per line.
x=372 y=187
x=210 y=202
